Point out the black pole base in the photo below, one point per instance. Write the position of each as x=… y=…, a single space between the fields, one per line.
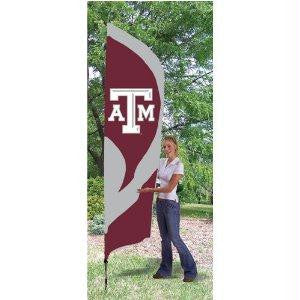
x=105 y=273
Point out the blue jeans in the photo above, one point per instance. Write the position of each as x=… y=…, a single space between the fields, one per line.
x=168 y=218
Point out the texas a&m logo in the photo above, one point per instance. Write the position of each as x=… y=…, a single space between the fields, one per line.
x=143 y=112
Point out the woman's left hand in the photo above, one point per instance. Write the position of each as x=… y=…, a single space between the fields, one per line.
x=145 y=190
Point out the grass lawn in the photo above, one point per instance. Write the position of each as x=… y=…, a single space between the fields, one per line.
x=195 y=210
x=130 y=277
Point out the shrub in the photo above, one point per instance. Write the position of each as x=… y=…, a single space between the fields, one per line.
x=97 y=225
x=95 y=206
x=96 y=186
x=95 y=199
x=197 y=183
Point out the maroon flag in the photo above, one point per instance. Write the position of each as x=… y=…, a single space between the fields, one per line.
x=134 y=89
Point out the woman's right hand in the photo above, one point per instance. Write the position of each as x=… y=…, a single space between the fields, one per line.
x=145 y=190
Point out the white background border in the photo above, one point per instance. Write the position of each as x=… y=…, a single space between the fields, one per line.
x=256 y=150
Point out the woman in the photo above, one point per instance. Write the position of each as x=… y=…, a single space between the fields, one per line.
x=168 y=213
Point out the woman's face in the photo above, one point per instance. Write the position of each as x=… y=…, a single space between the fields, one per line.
x=169 y=148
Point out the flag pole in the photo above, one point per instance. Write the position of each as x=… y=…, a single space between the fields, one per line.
x=105 y=273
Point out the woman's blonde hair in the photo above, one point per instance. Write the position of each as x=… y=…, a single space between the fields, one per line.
x=172 y=139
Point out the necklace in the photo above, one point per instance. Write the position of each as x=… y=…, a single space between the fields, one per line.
x=168 y=162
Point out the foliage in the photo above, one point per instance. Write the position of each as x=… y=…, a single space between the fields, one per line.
x=96 y=226
x=96 y=186
x=130 y=277
x=180 y=33
x=95 y=196
x=197 y=181
x=95 y=206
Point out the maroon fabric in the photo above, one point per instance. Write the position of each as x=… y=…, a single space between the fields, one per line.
x=133 y=225
x=125 y=69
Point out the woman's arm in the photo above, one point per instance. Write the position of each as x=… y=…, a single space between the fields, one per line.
x=166 y=189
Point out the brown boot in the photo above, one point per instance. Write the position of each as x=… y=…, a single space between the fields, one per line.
x=158 y=276
x=188 y=279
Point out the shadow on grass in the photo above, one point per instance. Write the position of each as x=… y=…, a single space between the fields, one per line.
x=152 y=266
x=202 y=277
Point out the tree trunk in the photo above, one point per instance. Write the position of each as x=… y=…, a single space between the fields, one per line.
x=99 y=160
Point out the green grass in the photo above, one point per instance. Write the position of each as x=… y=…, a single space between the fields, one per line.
x=195 y=210
x=130 y=277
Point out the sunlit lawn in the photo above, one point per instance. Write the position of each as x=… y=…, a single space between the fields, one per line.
x=130 y=277
x=196 y=210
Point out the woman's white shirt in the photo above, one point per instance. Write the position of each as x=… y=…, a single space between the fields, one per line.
x=165 y=173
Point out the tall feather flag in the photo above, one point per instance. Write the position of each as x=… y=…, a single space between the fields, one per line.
x=134 y=91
